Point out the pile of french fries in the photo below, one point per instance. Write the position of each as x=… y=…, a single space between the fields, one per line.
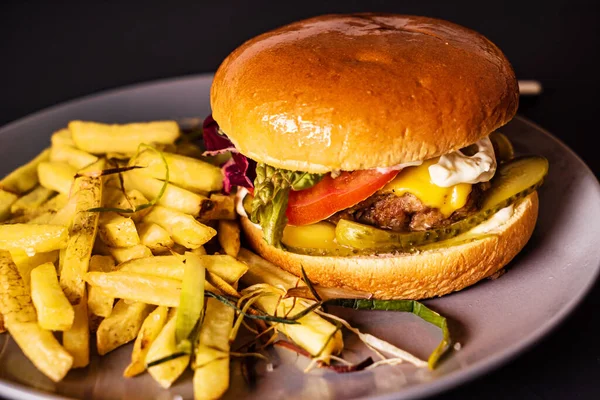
x=112 y=234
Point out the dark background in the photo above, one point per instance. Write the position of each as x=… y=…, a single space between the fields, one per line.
x=56 y=51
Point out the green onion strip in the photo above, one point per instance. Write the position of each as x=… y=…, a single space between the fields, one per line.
x=151 y=202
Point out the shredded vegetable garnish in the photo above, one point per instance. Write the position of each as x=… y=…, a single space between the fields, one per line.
x=412 y=306
x=265 y=317
x=151 y=202
x=166 y=358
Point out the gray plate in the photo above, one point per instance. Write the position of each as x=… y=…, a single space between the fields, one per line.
x=493 y=320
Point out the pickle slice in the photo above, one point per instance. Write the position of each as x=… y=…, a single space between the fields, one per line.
x=513 y=181
x=503 y=148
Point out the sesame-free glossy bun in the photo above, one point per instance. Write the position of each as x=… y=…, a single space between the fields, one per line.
x=350 y=92
x=420 y=275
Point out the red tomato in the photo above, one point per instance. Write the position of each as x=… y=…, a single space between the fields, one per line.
x=332 y=195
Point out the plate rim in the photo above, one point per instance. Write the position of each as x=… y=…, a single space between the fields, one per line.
x=451 y=380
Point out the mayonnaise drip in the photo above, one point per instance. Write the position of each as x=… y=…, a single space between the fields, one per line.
x=454 y=168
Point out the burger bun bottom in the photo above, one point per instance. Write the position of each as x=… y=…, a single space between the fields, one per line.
x=421 y=275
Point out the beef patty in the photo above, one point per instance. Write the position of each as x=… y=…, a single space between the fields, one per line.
x=406 y=213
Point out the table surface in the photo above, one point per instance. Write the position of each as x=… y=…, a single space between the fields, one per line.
x=56 y=52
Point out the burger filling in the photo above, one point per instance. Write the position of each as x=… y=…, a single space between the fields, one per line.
x=406 y=199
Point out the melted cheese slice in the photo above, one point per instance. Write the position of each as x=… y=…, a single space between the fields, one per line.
x=416 y=180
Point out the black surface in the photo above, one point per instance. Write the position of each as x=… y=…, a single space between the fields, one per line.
x=56 y=51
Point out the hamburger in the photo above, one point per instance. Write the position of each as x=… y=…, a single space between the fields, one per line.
x=366 y=151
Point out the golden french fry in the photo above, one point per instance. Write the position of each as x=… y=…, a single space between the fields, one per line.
x=130 y=253
x=173 y=197
x=42 y=349
x=211 y=364
x=54 y=311
x=24 y=178
x=73 y=156
x=137 y=287
x=186 y=172
x=156 y=238
x=228 y=234
x=122 y=326
x=313 y=333
x=164 y=345
x=183 y=228
x=42 y=214
x=88 y=193
x=117 y=231
x=33 y=238
x=99 y=303
x=77 y=339
x=171 y=266
x=32 y=200
x=57 y=176
x=26 y=263
x=220 y=206
x=149 y=331
x=15 y=299
x=62 y=137
x=115 y=198
x=2 y=327
x=7 y=201
x=97 y=138
x=263 y=271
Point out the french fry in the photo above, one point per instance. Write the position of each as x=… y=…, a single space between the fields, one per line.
x=82 y=234
x=24 y=178
x=77 y=339
x=117 y=231
x=98 y=302
x=226 y=267
x=130 y=253
x=220 y=206
x=115 y=198
x=15 y=298
x=149 y=331
x=156 y=238
x=32 y=200
x=57 y=176
x=97 y=138
x=122 y=326
x=42 y=214
x=25 y=264
x=228 y=234
x=2 y=327
x=54 y=311
x=313 y=333
x=7 y=200
x=173 y=197
x=211 y=364
x=183 y=228
x=65 y=215
x=263 y=271
x=186 y=172
x=33 y=238
x=137 y=287
x=164 y=345
x=62 y=137
x=76 y=158
x=42 y=349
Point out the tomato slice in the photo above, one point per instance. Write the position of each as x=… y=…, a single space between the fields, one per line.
x=332 y=195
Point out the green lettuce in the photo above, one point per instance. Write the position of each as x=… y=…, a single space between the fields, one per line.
x=271 y=188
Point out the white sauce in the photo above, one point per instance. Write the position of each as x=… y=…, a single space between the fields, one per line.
x=239 y=204
x=495 y=221
x=454 y=168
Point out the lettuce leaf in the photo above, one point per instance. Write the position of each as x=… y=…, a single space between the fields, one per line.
x=271 y=189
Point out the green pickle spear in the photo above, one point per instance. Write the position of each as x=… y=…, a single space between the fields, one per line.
x=513 y=181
